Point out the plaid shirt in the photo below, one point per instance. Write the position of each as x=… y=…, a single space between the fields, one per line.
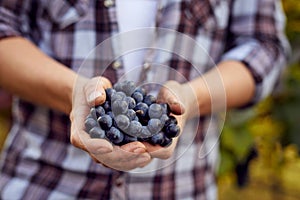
x=40 y=163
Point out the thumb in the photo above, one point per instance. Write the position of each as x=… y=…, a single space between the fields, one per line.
x=170 y=94
x=95 y=90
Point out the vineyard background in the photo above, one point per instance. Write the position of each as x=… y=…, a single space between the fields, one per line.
x=259 y=146
x=260 y=151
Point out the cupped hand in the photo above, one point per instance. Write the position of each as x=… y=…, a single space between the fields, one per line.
x=174 y=94
x=88 y=93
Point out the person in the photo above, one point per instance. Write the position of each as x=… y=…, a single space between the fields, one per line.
x=43 y=45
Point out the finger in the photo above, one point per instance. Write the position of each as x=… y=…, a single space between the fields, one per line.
x=82 y=140
x=157 y=151
x=95 y=90
x=169 y=95
x=134 y=147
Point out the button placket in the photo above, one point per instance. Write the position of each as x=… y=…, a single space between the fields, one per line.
x=119 y=187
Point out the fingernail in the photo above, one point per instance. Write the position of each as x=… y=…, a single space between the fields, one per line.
x=94 y=96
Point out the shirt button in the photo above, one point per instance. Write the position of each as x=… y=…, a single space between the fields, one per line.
x=116 y=65
x=119 y=182
x=108 y=3
x=146 y=66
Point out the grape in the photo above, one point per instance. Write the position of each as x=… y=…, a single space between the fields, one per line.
x=164 y=118
x=144 y=133
x=97 y=111
x=166 y=142
x=155 y=111
x=89 y=123
x=105 y=122
x=171 y=120
x=141 y=90
x=122 y=121
x=128 y=139
x=157 y=139
x=166 y=109
x=128 y=87
x=134 y=129
x=109 y=92
x=149 y=99
x=141 y=110
x=138 y=97
x=115 y=135
x=130 y=114
x=154 y=125
x=119 y=107
x=111 y=114
x=118 y=96
x=97 y=132
x=172 y=130
x=118 y=86
x=131 y=102
x=106 y=106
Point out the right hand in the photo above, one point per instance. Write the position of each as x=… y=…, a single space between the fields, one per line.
x=88 y=93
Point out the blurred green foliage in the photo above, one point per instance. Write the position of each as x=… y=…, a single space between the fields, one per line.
x=273 y=128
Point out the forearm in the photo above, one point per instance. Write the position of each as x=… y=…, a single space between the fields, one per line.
x=229 y=85
x=33 y=76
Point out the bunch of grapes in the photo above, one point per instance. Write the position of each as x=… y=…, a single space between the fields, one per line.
x=130 y=114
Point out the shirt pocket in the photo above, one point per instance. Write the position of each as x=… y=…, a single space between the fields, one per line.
x=208 y=15
x=65 y=12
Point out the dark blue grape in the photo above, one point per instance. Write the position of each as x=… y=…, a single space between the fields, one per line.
x=106 y=106
x=136 y=119
x=131 y=114
x=171 y=120
x=118 y=86
x=128 y=87
x=89 y=123
x=157 y=139
x=141 y=90
x=155 y=111
x=105 y=122
x=97 y=132
x=109 y=92
x=134 y=129
x=119 y=107
x=144 y=133
x=167 y=142
x=128 y=138
x=111 y=114
x=172 y=130
x=118 y=96
x=166 y=109
x=138 y=97
x=154 y=125
x=115 y=135
x=122 y=122
x=149 y=99
x=97 y=111
x=141 y=110
x=164 y=118
x=131 y=102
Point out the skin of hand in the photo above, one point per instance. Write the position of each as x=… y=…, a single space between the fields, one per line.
x=88 y=93
x=229 y=85
x=174 y=95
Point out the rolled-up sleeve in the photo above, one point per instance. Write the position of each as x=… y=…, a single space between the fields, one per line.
x=11 y=18
x=256 y=37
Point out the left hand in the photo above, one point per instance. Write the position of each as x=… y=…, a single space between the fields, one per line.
x=172 y=93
